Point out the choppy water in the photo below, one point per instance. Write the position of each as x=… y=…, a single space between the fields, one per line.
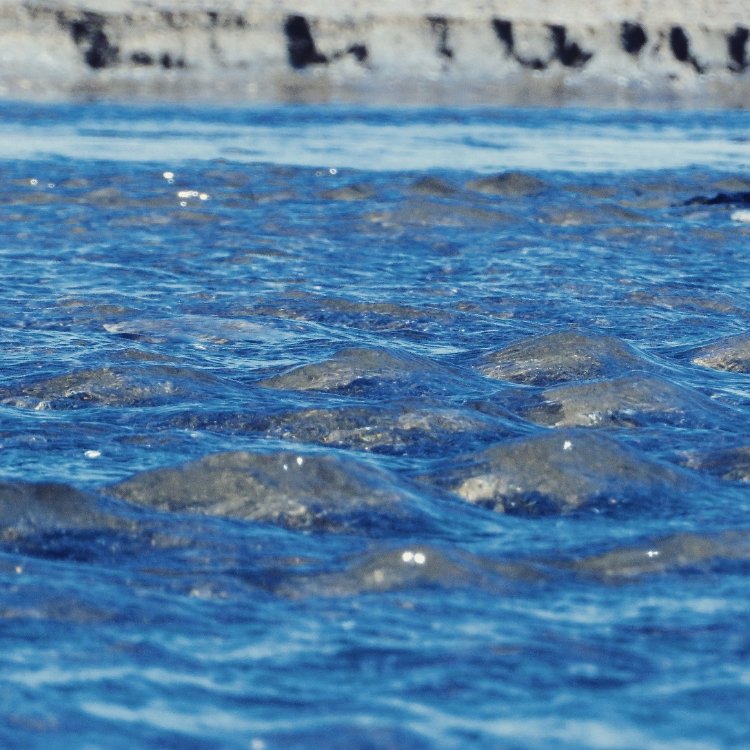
x=374 y=429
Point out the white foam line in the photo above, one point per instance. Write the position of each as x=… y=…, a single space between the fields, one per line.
x=478 y=147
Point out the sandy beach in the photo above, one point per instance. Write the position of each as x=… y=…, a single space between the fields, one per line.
x=628 y=53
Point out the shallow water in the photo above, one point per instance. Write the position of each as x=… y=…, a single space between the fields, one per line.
x=370 y=429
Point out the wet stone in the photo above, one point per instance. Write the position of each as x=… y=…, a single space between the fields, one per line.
x=694 y=302
x=741 y=198
x=298 y=491
x=106 y=196
x=404 y=568
x=592 y=190
x=399 y=430
x=30 y=507
x=596 y=214
x=194 y=330
x=561 y=357
x=433 y=186
x=732 y=464
x=373 y=316
x=348 y=193
x=670 y=553
x=731 y=354
x=631 y=401
x=508 y=185
x=555 y=472
x=109 y=387
x=354 y=367
x=732 y=184
x=428 y=213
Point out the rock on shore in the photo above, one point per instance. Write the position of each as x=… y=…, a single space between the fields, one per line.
x=479 y=51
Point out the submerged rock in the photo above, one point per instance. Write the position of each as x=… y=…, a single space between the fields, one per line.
x=433 y=213
x=417 y=566
x=622 y=402
x=30 y=507
x=508 y=185
x=386 y=570
x=106 y=386
x=560 y=471
x=595 y=214
x=731 y=354
x=412 y=567
x=350 y=367
x=692 y=302
x=105 y=197
x=374 y=316
x=732 y=464
x=198 y=331
x=349 y=193
x=735 y=198
x=299 y=491
x=400 y=429
x=433 y=186
x=560 y=357
x=663 y=555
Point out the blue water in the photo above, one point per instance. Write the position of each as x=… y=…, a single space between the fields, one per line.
x=161 y=266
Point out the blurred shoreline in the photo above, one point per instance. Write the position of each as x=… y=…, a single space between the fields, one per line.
x=629 y=53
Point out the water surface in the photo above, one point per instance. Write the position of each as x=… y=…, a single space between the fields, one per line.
x=374 y=428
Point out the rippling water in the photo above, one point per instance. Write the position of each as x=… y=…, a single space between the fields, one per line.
x=374 y=429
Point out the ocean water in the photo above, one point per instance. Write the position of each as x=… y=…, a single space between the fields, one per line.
x=354 y=428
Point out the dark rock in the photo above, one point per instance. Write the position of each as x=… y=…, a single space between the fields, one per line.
x=388 y=570
x=399 y=429
x=666 y=554
x=88 y=33
x=359 y=52
x=633 y=37
x=623 y=402
x=300 y=43
x=300 y=491
x=27 y=507
x=508 y=185
x=353 y=366
x=195 y=330
x=732 y=464
x=679 y=43
x=504 y=31
x=348 y=193
x=732 y=184
x=106 y=386
x=142 y=58
x=560 y=357
x=693 y=302
x=440 y=28
x=168 y=62
x=603 y=213
x=107 y=196
x=737 y=48
x=433 y=186
x=560 y=471
x=427 y=213
x=731 y=354
x=566 y=52
x=735 y=198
